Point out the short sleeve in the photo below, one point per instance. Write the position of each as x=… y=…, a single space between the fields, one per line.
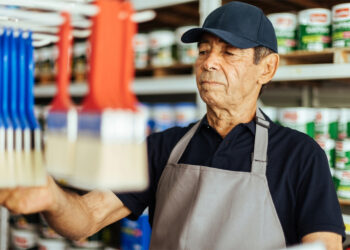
x=317 y=205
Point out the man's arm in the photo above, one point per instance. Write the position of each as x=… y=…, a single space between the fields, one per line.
x=332 y=241
x=69 y=214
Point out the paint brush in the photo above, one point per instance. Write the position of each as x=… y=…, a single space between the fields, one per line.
x=105 y=143
x=10 y=180
x=62 y=118
x=33 y=144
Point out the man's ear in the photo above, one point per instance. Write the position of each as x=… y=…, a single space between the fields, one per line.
x=269 y=65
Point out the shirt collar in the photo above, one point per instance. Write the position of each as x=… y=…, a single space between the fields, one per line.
x=250 y=125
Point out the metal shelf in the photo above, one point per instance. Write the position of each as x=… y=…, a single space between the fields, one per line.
x=154 y=4
x=312 y=72
x=142 y=86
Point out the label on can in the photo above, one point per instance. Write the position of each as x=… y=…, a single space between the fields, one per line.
x=341 y=25
x=342 y=160
x=23 y=239
x=301 y=119
x=314 y=29
x=285 y=25
x=141 y=50
x=326 y=123
x=162 y=48
x=186 y=52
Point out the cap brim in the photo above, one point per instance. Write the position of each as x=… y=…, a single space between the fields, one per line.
x=195 y=35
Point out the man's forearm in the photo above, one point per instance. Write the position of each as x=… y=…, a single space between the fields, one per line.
x=76 y=217
x=69 y=216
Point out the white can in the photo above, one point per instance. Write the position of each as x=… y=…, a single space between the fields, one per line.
x=163 y=117
x=341 y=25
x=271 y=112
x=162 y=44
x=51 y=244
x=328 y=145
x=301 y=119
x=344 y=123
x=23 y=239
x=187 y=52
x=285 y=25
x=314 y=29
x=326 y=123
x=185 y=113
x=141 y=47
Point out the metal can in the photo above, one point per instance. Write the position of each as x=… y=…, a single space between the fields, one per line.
x=162 y=45
x=186 y=52
x=341 y=25
x=163 y=116
x=326 y=123
x=285 y=25
x=342 y=154
x=301 y=119
x=185 y=113
x=314 y=29
x=51 y=244
x=344 y=124
x=23 y=239
x=342 y=183
x=328 y=145
x=141 y=47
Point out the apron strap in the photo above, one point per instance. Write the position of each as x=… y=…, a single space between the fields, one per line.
x=180 y=147
x=260 y=145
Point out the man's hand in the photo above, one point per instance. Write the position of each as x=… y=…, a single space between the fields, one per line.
x=27 y=200
x=69 y=214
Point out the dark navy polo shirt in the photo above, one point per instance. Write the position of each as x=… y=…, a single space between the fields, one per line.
x=298 y=173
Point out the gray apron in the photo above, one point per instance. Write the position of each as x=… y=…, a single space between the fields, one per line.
x=199 y=207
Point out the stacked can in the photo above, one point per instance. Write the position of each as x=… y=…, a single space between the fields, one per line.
x=328 y=145
x=342 y=172
x=24 y=233
x=185 y=113
x=314 y=31
x=162 y=48
x=141 y=50
x=326 y=123
x=163 y=116
x=344 y=124
x=186 y=52
x=301 y=119
x=285 y=25
x=341 y=25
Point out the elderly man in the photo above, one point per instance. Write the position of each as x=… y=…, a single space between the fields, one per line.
x=234 y=180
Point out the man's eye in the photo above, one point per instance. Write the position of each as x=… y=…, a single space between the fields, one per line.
x=202 y=52
x=229 y=53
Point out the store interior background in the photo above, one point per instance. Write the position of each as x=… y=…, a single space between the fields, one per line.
x=318 y=79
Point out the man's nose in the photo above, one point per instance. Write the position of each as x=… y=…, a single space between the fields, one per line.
x=211 y=62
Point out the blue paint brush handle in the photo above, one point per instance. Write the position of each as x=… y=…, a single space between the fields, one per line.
x=33 y=122
x=21 y=95
x=5 y=80
x=13 y=86
x=1 y=81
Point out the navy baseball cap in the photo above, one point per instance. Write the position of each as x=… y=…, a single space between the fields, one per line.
x=239 y=24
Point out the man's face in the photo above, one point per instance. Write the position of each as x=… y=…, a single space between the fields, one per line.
x=226 y=76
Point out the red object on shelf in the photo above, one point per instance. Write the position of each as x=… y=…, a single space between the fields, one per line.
x=62 y=100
